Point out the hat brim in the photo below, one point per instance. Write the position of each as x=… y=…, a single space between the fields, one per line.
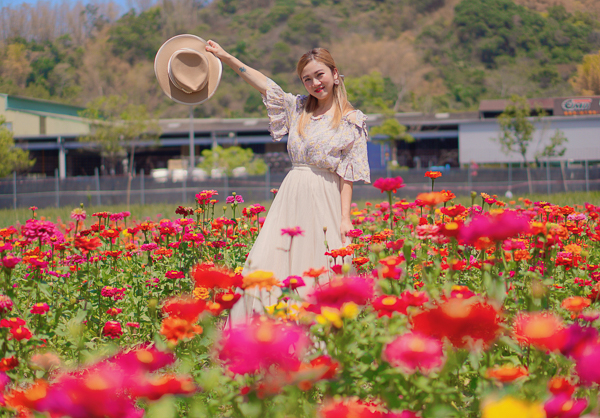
x=161 y=69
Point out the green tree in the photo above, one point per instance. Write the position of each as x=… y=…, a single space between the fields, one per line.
x=587 y=79
x=392 y=131
x=555 y=148
x=137 y=37
x=11 y=158
x=370 y=92
x=232 y=157
x=116 y=126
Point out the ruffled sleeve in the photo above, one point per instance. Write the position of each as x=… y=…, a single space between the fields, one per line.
x=354 y=162
x=280 y=106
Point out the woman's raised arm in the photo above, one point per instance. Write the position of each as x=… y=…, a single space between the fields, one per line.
x=255 y=78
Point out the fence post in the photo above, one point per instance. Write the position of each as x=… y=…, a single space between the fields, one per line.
x=470 y=180
x=184 y=190
x=57 y=187
x=226 y=186
x=548 y=176
x=510 y=176
x=15 y=190
x=587 y=177
x=97 y=175
x=142 y=196
x=267 y=183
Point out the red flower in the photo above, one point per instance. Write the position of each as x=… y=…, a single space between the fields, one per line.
x=506 y=373
x=112 y=329
x=187 y=308
x=453 y=211
x=174 y=274
x=10 y=262
x=6 y=304
x=413 y=351
x=464 y=322
x=211 y=277
x=8 y=363
x=164 y=385
x=342 y=290
x=21 y=333
x=40 y=308
x=541 y=329
x=293 y=282
x=114 y=311
x=86 y=245
x=227 y=300
x=433 y=174
x=390 y=184
x=11 y=322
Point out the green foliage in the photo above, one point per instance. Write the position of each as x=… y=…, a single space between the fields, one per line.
x=116 y=124
x=11 y=158
x=556 y=146
x=137 y=37
x=307 y=29
x=232 y=157
x=371 y=92
x=392 y=130
x=516 y=128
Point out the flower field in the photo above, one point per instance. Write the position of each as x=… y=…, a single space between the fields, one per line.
x=435 y=309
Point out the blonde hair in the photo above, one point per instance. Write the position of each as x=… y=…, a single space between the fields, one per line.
x=340 y=98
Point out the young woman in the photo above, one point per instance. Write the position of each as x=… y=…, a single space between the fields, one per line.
x=327 y=143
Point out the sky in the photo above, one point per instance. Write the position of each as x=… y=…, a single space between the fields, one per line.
x=123 y=4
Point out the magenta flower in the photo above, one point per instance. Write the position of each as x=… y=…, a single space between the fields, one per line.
x=234 y=199
x=358 y=290
x=258 y=346
x=587 y=364
x=411 y=352
x=133 y=324
x=149 y=247
x=40 y=308
x=6 y=304
x=45 y=231
x=390 y=184
x=112 y=329
x=563 y=406
x=292 y=232
x=496 y=228
x=293 y=282
x=354 y=233
x=174 y=274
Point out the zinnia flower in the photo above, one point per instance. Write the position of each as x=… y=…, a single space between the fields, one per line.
x=40 y=308
x=587 y=364
x=10 y=262
x=6 y=304
x=563 y=406
x=258 y=346
x=292 y=232
x=496 y=228
x=8 y=363
x=575 y=303
x=78 y=214
x=293 y=282
x=390 y=184
x=21 y=333
x=411 y=352
x=175 y=329
x=433 y=174
x=210 y=277
x=464 y=322
x=112 y=329
x=513 y=408
x=339 y=291
x=541 y=329
x=261 y=279
x=506 y=373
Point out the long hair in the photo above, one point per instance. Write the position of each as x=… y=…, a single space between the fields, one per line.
x=340 y=98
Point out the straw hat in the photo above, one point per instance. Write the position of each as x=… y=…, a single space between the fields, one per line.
x=186 y=72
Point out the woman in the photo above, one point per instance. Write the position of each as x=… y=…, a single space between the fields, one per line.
x=327 y=144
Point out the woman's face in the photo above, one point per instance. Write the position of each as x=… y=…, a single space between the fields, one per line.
x=318 y=79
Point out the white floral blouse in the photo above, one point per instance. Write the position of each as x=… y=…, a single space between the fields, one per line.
x=342 y=150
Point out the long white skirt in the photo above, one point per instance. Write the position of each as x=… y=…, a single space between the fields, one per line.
x=309 y=197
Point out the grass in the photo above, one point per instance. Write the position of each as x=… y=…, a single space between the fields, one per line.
x=164 y=210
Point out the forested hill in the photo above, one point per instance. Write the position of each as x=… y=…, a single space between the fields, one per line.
x=407 y=55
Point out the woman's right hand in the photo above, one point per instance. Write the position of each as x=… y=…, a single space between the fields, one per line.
x=217 y=50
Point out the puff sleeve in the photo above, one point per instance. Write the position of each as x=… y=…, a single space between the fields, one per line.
x=280 y=106
x=354 y=163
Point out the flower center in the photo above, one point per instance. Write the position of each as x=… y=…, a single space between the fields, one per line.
x=417 y=345
x=389 y=301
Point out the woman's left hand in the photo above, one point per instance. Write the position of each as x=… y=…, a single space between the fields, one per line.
x=345 y=226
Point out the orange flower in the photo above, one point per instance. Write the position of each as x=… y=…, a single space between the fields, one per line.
x=575 y=303
x=431 y=199
x=448 y=195
x=506 y=373
x=176 y=329
x=541 y=329
x=433 y=174
x=261 y=279
x=314 y=273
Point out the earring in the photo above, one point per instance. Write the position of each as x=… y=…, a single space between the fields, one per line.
x=336 y=82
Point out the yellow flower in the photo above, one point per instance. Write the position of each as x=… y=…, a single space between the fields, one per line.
x=238 y=269
x=201 y=293
x=330 y=316
x=350 y=310
x=513 y=408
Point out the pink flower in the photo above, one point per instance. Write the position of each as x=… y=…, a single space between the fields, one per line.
x=292 y=232
x=293 y=282
x=390 y=184
x=6 y=304
x=234 y=199
x=112 y=329
x=174 y=274
x=354 y=233
x=260 y=345
x=45 y=231
x=133 y=324
x=149 y=247
x=563 y=406
x=78 y=214
x=496 y=228
x=342 y=290
x=412 y=351
x=40 y=308
x=587 y=364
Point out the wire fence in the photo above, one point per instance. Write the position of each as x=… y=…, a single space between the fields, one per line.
x=144 y=189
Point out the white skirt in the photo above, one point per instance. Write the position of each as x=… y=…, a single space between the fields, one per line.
x=309 y=197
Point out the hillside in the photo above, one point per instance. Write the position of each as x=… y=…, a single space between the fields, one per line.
x=409 y=55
